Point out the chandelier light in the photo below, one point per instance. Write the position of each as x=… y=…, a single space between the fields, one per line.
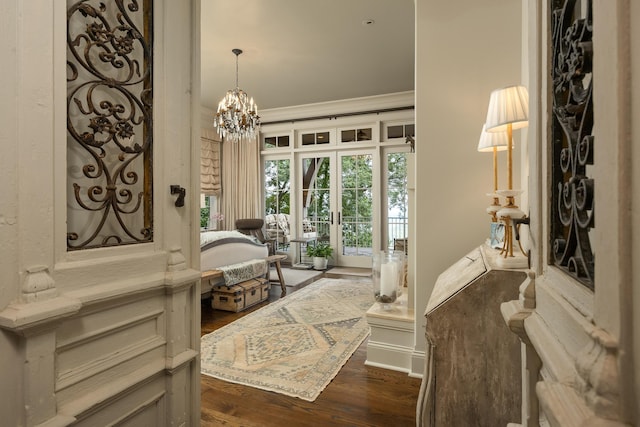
x=237 y=117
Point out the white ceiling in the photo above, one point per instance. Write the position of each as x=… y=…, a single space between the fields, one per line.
x=299 y=52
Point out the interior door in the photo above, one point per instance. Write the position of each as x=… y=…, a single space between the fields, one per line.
x=100 y=302
x=574 y=293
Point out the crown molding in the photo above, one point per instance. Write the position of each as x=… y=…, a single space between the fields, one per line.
x=381 y=102
x=368 y=103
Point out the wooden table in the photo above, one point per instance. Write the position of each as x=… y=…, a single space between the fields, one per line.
x=275 y=259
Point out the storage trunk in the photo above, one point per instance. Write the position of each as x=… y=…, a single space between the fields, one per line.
x=240 y=296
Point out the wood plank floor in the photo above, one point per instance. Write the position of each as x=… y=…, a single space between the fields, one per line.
x=358 y=396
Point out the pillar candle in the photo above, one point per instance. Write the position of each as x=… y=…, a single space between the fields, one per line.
x=388 y=278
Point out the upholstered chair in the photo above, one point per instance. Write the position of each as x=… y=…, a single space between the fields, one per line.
x=254 y=227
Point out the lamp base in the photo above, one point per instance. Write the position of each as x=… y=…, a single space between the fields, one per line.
x=494 y=208
x=505 y=215
x=513 y=262
x=510 y=195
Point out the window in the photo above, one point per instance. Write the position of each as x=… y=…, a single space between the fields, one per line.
x=316 y=138
x=331 y=183
x=400 y=131
x=276 y=141
x=356 y=135
x=209 y=216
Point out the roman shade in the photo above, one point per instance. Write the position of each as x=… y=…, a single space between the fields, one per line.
x=210 y=182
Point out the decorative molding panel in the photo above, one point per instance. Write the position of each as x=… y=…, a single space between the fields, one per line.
x=176 y=261
x=38 y=285
x=390 y=344
x=570 y=388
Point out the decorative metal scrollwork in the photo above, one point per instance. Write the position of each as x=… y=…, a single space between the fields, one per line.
x=109 y=123
x=572 y=142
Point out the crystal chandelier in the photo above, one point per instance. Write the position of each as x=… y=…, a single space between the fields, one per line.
x=237 y=117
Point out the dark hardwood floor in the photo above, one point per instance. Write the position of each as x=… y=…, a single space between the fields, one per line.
x=358 y=396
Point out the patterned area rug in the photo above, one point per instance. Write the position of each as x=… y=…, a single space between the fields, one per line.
x=296 y=345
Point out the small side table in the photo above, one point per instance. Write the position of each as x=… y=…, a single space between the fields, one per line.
x=275 y=259
x=300 y=241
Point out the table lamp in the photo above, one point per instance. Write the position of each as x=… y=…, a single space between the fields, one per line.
x=492 y=142
x=508 y=110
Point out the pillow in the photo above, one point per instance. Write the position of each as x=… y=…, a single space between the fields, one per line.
x=283 y=223
x=270 y=221
x=306 y=226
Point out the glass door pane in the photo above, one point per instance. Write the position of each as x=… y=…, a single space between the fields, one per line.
x=356 y=209
x=277 y=197
x=316 y=198
x=397 y=202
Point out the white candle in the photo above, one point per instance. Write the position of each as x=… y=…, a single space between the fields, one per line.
x=388 y=277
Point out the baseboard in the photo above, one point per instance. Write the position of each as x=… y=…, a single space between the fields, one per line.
x=388 y=356
x=417 y=364
x=388 y=367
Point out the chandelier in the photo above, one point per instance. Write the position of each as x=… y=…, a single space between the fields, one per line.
x=237 y=117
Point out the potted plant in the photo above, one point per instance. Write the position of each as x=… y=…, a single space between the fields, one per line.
x=320 y=252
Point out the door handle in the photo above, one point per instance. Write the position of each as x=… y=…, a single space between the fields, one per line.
x=181 y=192
x=339 y=218
x=331 y=218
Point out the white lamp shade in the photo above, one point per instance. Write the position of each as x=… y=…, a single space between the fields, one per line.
x=490 y=140
x=509 y=105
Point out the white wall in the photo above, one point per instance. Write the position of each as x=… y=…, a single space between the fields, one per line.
x=464 y=50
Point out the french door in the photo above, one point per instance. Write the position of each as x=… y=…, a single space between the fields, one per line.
x=337 y=203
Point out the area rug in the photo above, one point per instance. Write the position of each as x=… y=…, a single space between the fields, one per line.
x=296 y=345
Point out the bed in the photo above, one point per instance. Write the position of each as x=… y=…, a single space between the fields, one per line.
x=224 y=248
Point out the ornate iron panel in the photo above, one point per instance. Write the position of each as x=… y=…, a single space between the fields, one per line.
x=571 y=139
x=109 y=123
